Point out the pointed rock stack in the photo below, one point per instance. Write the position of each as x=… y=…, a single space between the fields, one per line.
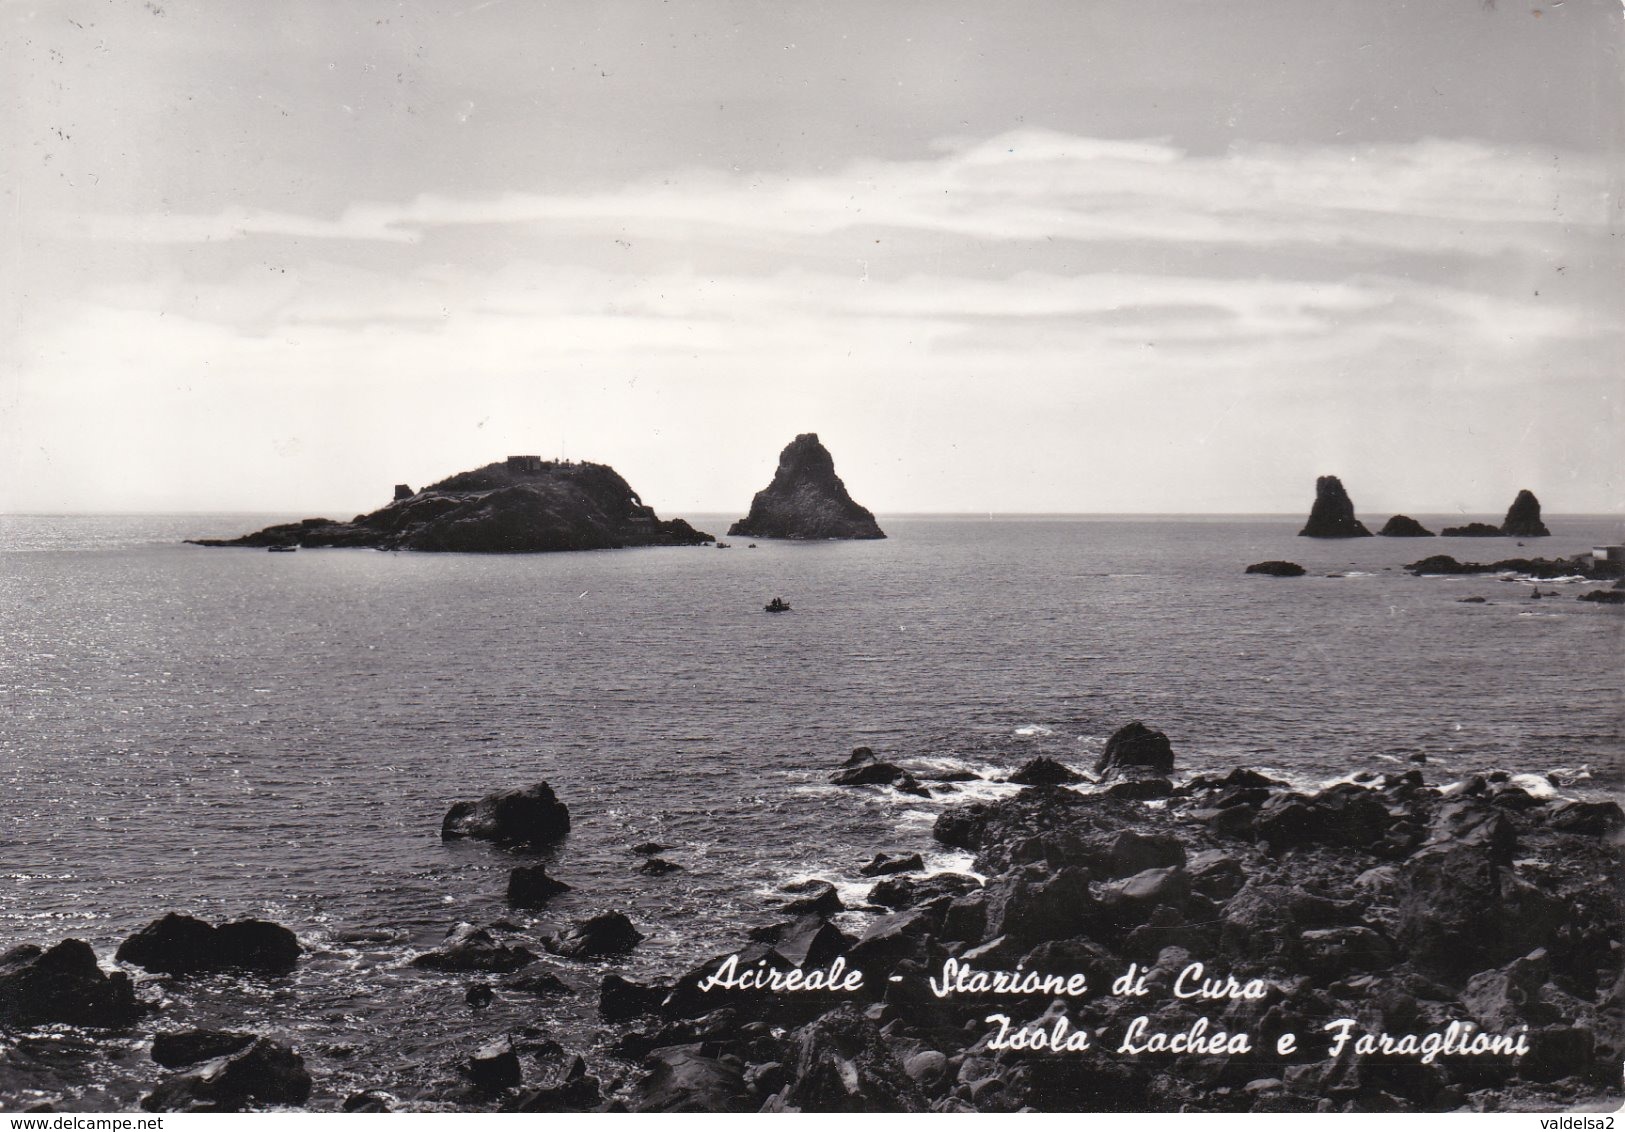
x=1332 y=516
x=806 y=500
x=1523 y=518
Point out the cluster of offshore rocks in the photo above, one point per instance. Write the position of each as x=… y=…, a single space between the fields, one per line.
x=1332 y=516
x=527 y=505
x=1398 y=906
x=1585 y=567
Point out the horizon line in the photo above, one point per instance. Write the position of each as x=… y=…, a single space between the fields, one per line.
x=978 y=514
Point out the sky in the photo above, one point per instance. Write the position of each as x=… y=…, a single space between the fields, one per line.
x=1142 y=256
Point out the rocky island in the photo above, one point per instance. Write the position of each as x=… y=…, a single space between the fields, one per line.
x=1522 y=521
x=1523 y=518
x=1332 y=515
x=806 y=500
x=1403 y=526
x=522 y=505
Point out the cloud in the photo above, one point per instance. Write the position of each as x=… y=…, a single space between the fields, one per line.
x=1069 y=308
x=1027 y=185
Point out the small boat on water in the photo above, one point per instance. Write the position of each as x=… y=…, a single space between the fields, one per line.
x=724 y=545
x=282 y=549
x=777 y=605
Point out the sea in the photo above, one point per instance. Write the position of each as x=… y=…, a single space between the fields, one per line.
x=231 y=733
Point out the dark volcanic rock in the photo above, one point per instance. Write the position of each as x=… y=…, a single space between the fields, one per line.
x=1332 y=515
x=262 y=1073
x=1531 y=567
x=1459 y=911
x=188 y=1047
x=495 y=1067
x=366 y=1101
x=870 y=772
x=884 y=864
x=1603 y=597
x=609 y=933
x=1045 y=771
x=844 y=1064
x=659 y=867
x=620 y=999
x=468 y=948
x=1136 y=745
x=814 y=897
x=1403 y=526
x=1445 y=564
x=184 y=945
x=1276 y=568
x=683 y=1079
x=529 y=886
x=521 y=506
x=528 y=819
x=806 y=500
x=1523 y=518
x=564 y=1086
x=1474 y=530
x=63 y=984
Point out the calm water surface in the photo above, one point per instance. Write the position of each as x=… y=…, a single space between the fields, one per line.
x=230 y=732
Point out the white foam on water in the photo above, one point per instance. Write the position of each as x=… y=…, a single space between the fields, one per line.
x=1033 y=730
x=927 y=765
x=1535 y=785
x=1570 y=775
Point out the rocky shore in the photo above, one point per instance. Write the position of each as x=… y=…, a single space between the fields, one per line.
x=1122 y=940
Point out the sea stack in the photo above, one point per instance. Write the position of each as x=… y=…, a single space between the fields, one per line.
x=1403 y=526
x=806 y=500
x=1523 y=518
x=1332 y=516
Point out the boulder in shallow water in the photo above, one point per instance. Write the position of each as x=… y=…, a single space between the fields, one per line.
x=529 y=886
x=262 y=1074
x=608 y=933
x=468 y=948
x=528 y=818
x=868 y=773
x=620 y=999
x=1332 y=515
x=885 y=864
x=181 y=1048
x=495 y=1067
x=659 y=867
x=1276 y=568
x=182 y=945
x=63 y=984
x=564 y=1086
x=1136 y=745
x=812 y=897
x=1045 y=771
